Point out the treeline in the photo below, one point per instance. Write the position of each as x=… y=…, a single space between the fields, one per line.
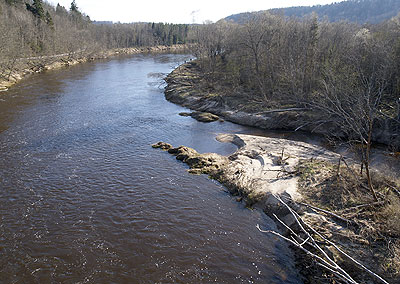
x=358 y=11
x=346 y=76
x=30 y=28
x=139 y=34
x=293 y=60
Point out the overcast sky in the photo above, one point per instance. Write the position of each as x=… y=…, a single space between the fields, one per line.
x=176 y=11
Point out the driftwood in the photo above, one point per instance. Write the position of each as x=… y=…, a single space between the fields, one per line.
x=319 y=256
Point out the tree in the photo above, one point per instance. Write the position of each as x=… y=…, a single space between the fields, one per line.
x=36 y=8
x=353 y=93
x=74 y=7
x=49 y=20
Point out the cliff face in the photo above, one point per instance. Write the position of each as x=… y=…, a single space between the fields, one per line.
x=184 y=88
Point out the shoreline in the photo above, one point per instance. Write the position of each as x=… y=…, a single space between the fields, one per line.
x=185 y=87
x=28 y=66
x=264 y=171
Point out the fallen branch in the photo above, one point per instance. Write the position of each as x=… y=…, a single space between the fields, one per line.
x=393 y=188
x=322 y=260
x=378 y=203
x=359 y=264
x=334 y=215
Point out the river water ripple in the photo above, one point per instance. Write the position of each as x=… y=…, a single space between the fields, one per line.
x=85 y=199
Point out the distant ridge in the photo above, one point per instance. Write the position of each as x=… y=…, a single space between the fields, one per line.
x=359 y=11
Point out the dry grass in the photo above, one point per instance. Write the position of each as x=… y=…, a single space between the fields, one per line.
x=375 y=238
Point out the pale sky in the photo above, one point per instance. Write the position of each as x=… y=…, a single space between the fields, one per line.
x=176 y=11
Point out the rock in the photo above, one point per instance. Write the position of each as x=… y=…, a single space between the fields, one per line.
x=204 y=116
x=185 y=113
x=162 y=145
x=209 y=163
x=195 y=171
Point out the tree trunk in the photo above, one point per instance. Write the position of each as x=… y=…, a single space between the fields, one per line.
x=371 y=188
x=367 y=159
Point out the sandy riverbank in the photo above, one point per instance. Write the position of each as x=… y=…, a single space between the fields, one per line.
x=28 y=66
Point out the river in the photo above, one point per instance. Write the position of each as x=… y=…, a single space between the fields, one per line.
x=85 y=199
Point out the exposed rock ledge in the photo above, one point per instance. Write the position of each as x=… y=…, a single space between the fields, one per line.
x=201 y=116
x=264 y=169
x=260 y=167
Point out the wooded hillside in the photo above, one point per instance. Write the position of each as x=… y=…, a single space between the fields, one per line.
x=34 y=28
x=358 y=11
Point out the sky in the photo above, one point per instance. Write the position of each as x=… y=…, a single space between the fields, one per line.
x=176 y=11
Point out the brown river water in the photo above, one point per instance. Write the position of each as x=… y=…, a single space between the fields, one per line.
x=85 y=199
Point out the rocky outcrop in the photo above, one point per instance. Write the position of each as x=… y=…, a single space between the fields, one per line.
x=209 y=163
x=201 y=116
x=260 y=168
x=277 y=174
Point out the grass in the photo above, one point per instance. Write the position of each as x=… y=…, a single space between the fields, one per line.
x=375 y=239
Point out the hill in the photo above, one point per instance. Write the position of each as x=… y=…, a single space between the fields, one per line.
x=359 y=11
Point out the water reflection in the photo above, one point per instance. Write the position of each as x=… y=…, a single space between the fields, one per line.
x=84 y=198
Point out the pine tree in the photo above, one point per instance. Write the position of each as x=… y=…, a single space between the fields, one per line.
x=36 y=8
x=74 y=8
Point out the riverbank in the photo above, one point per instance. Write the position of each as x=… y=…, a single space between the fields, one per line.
x=326 y=195
x=187 y=87
x=26 y=66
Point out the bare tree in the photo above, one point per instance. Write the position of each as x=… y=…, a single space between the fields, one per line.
x=353 y=92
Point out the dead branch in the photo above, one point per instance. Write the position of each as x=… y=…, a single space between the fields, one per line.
x=364 y=205
x=335 y=216
x=359 y=264
x=394 y=189
x=322 y=260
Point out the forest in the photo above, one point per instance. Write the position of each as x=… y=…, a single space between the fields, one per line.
x=35 y=28
x=344 y=70
x=358 y=11
x=345 y=76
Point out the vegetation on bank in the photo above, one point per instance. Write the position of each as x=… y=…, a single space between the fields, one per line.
x=345 y=74
x=344 y=212
x=331 y=215
x=346 y=77
x=33 y=28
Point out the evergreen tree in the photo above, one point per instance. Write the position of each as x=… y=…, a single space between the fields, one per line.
x=74 y=8
x=49 y=20
x=36 y=8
